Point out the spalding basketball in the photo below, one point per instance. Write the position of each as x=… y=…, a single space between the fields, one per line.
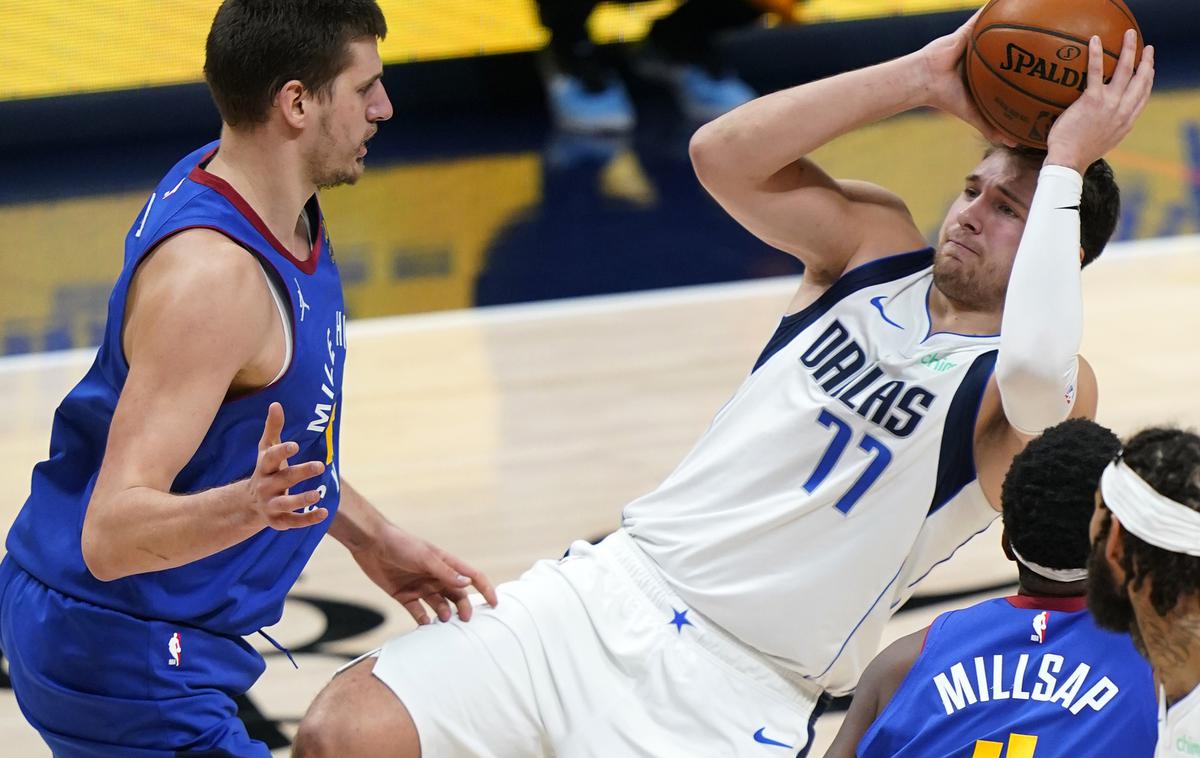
x=1028 y=59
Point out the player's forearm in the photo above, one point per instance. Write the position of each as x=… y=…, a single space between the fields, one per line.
x=140 y=529
x=357 y=522
x=1042 y=328
x=755 y=141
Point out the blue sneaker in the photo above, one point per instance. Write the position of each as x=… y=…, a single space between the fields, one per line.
x=703 y=96
x=593 y=105
x=703 y=93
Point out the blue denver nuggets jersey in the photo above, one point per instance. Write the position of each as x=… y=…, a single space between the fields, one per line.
x=240 y=589
x=1035 y=667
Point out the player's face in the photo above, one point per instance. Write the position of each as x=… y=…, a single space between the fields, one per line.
x=1108 y=598
x=349 y=117
x=978 y=240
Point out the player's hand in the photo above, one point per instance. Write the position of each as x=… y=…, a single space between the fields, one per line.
x=945 y=83
x=414 y=571
x=273 y=477
x=1104 y=113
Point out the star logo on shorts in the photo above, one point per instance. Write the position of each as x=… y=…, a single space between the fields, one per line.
x=680 y=620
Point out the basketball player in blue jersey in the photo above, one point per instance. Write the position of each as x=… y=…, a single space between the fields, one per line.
x=195 y=467
x=1145 y=570
x=1031 y=672
x=865 y=446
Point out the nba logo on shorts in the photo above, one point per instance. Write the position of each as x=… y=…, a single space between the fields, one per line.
x=176 y=648
x=1040 y=622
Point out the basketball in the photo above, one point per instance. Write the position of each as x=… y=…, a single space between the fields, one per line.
x=1028 y=59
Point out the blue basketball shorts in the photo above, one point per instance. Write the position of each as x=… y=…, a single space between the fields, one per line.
x=98 y=683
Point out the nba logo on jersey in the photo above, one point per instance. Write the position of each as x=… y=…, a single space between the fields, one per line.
x=1040 y=622
x=176 y=648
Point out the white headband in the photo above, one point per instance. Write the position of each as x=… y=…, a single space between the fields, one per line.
x=1057 y=575
x=1156 y=519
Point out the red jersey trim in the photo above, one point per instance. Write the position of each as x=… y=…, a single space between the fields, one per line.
x=1044 y=603
x=212 y=181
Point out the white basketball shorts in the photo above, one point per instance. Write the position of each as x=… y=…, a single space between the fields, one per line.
x=592 y=656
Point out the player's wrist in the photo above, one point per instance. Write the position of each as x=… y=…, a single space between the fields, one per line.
x=1066 y=156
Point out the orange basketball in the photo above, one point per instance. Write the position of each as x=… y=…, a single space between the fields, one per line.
x=1028 y=59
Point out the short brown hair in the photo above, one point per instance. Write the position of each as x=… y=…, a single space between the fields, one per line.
x=257 y=46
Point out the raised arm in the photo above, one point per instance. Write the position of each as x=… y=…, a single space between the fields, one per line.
x=1040 y=379
x=199 y=325
x=753 y=159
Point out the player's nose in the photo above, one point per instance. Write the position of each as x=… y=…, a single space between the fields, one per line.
x=380 y=108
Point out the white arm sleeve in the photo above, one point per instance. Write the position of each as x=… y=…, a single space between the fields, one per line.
x=1042 y=325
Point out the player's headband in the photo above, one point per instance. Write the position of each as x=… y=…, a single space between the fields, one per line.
x=1145 y=513
x=1056 y=575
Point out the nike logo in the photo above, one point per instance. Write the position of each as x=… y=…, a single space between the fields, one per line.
x=878 y=303
x=1069 y=208
x=759 y=738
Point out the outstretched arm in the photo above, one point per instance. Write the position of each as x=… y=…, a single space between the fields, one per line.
x=405 y=566
x=1040 y=379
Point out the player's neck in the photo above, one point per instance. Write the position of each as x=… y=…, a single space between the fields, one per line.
x=1172 y=643
x=269 y=178
x=949 y=315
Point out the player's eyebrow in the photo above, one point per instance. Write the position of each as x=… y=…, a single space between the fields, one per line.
x=371 y=81
x=975 y=179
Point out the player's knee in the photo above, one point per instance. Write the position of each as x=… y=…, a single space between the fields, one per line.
x=317 y=736
x=356 y=715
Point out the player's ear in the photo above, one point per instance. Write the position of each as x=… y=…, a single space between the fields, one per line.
x=292 y=100
x=1006 y=546
x=1114 y=547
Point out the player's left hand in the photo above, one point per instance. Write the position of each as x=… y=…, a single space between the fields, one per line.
x=1106 y=112
x=414 y=571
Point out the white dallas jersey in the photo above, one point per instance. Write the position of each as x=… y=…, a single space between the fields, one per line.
x=1178 y=726
x=836 y=478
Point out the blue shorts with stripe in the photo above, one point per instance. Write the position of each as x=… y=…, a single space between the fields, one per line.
x=95 y=682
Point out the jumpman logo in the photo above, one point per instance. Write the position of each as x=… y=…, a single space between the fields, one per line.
x=303 y=305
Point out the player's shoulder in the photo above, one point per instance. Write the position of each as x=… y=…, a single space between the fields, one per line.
x=204 y=274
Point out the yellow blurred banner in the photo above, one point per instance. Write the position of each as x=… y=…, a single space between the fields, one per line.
x=51 y=47
x=415 y=237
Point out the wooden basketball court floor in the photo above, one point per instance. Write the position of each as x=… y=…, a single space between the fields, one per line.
x=503 y=434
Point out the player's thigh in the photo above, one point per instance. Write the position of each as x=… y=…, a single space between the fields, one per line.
x=357 y=715
x=472 y=688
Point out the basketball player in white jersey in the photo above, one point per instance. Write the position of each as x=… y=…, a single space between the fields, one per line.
x=866 y=445
x=1145 y=570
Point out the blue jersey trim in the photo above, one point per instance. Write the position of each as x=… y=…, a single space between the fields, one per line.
x=956 y=460
x=867 y=275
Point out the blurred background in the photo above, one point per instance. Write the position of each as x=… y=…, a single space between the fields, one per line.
x=523 y=165
x=474 y=197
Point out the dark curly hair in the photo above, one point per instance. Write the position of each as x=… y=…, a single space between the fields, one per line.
x=1099 y=207
x=1049 y=492
x=256 y=46
x=1169 y=461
